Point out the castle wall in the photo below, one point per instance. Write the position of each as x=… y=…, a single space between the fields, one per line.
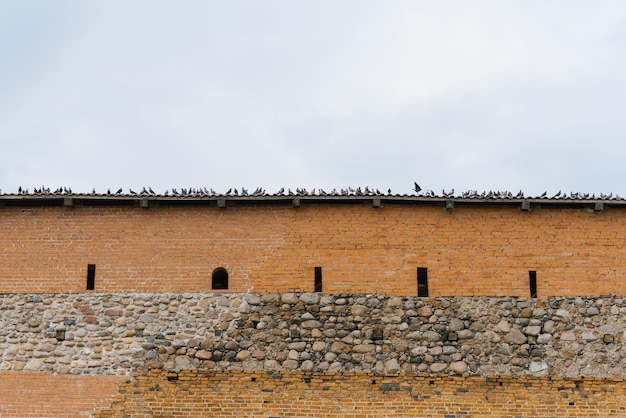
x=112 y=334
x=310 y=354
x=469 y=251
x=150 y=341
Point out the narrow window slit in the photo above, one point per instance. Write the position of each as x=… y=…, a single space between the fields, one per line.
x=532 y=275
x=91 y=276
x=422 y=282
x=318 y=279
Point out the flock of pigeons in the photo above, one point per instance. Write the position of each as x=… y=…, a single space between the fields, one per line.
x=350 y=191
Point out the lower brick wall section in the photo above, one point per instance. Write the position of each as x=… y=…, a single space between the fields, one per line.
x=39 y=394
x=298 y=394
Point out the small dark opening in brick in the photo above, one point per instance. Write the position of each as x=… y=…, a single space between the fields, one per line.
x=500 y=383
x=219 y=279
x=318 y=279
x=373 y=382
x=254 y=379
x=432 y=382
x=172 y=378
x=422 y=282
x=532 y=275
x=91 y=276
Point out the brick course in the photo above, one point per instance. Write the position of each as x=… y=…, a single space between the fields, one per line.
x=35 y=394
x=294 y=394
x=470 y=251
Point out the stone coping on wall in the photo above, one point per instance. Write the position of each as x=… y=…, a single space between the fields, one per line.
x=376 y=200
x=118 y=334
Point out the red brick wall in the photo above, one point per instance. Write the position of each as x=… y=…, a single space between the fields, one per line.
x=294 y=394
x=472 y=250
x=34 y=394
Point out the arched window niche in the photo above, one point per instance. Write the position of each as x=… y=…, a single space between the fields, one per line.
x=219 y=279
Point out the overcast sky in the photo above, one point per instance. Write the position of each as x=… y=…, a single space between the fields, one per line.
x=485 y=95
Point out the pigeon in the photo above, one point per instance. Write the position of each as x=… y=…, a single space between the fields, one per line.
x=282 y=189
x=416 y=187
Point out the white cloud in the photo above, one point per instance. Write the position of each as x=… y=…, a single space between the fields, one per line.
x=457 y=94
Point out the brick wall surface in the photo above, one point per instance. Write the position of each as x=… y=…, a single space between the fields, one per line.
x=297 y=394
x=241 y=394
x=472 y=250
x=34 y=394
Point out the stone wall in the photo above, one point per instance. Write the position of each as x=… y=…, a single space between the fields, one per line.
x=113 y=334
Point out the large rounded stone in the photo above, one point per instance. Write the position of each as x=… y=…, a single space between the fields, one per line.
x=431 y=336
x=458 y=367
x=589 y=336
x=515 y=337
x=456 y=324
x=290 y=298
x=290 y=364
x=183 y=363
x=364 y=348
x=392 y=365
x=206 y=355
x=358 y=310
x=340 y=347
x=271 y=365
x=532 y=330
x=311 y=324
x=319 y=346
x=309 y=298
x=438 y=367
x=503 y=326
x=535 y=367
x=425 y=311
x=307 y=366
x=33 y=364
